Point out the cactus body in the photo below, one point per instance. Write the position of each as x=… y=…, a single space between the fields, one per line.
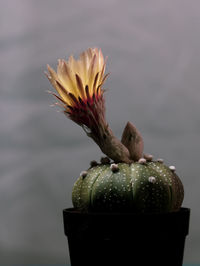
x=149 y=187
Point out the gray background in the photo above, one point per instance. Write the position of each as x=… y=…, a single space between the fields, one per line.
x=154 y=60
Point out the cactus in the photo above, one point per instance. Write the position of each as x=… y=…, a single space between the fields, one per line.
x=133 y=182
x=135 y=187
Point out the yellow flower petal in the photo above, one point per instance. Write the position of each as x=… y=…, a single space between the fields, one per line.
x=73 y=76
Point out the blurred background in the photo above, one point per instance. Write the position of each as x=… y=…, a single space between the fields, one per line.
x=154 y=60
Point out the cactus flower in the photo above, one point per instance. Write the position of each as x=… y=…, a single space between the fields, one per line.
x=79 y=87
x=80 y=94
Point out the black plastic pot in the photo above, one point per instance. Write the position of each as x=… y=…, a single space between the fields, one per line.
x=126 y=238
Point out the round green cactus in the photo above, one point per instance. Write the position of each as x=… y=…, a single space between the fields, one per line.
x=136 y=187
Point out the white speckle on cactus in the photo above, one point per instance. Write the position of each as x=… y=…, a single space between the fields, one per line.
x=83 y=174
x=142 y=161
x=172 y=168
x=114 y=167
x=152 y=179
x=159 y=160
x=148 y=157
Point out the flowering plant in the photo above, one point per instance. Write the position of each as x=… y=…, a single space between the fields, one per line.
x=133 y=182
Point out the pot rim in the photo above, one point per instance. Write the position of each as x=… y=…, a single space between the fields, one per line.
x=182 y=210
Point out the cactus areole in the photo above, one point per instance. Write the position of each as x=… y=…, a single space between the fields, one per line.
x=127 y=180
